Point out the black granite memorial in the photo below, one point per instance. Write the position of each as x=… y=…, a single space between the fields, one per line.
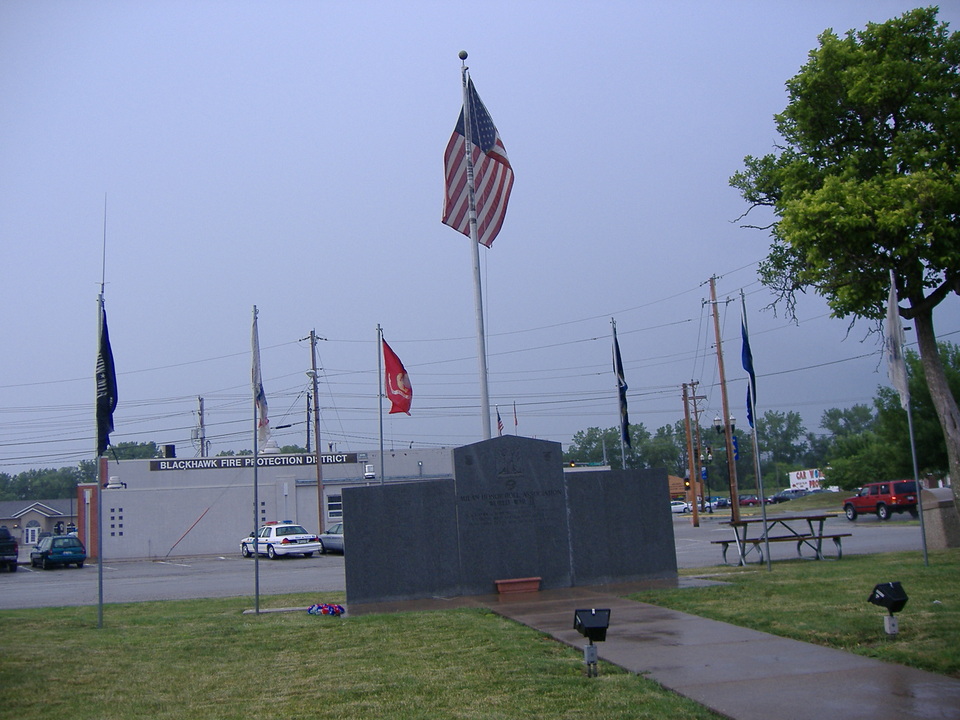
x=510 y=511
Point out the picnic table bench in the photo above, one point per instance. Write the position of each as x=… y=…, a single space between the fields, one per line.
x=812 y=536
x=755 y=543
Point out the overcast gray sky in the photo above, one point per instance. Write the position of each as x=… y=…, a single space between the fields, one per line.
x=288 y=155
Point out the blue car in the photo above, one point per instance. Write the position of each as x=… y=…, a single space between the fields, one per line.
x=58 y=550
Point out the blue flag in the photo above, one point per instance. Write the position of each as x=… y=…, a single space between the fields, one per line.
x=747 y=358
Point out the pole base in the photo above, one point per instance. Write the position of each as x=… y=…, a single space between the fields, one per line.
x=891 y=626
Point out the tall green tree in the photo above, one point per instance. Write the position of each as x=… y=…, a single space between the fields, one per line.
x=839 y=424
x=781 y=440
x=667 y=448
x=40 y=485
x=865 y=182
x=892 y=428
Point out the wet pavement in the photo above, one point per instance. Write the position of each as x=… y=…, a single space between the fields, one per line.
x=741 y=673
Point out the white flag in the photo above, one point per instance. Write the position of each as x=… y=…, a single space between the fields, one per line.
x=896 y=365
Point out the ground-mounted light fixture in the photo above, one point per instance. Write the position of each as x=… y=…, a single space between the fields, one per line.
x=592 y=624
x=891 y=596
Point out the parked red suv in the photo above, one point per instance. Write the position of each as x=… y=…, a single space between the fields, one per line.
x=883 y=498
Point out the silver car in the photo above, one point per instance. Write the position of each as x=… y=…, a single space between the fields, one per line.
x=332 y=538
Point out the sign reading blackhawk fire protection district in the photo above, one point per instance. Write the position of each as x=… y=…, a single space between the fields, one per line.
x=246 y=461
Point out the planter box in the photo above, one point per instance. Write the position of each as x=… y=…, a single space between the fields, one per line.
x=518 y=585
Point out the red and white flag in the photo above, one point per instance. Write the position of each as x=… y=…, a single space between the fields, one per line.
x=492 y=174
x=396 y=381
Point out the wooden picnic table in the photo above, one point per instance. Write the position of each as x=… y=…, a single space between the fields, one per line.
x=805 y=530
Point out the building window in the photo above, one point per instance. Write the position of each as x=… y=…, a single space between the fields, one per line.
x=334 y=507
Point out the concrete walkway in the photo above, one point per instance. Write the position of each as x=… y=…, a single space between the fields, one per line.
x=743 y=674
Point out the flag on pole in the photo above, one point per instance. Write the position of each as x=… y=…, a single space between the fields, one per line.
x=397 y=382
x=106 y=377
x=260 y=398
x=515 y=421
x=492 y=174
x=499 y=424
x=746 y=357
x=622 y=386
x=896 y=363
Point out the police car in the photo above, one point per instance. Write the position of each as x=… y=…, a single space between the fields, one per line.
x=281 y=538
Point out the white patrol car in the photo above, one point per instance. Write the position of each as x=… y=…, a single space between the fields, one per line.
x=281 y=538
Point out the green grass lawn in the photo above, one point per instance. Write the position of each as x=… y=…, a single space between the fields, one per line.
x=826 y=603
x=206 y=659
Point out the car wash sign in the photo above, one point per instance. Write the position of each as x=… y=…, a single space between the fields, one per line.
x=807 y=480
x=246 y=461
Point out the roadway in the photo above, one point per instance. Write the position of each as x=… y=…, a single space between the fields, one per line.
x=233 y=576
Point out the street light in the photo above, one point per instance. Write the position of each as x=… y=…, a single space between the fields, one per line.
x=718 y=424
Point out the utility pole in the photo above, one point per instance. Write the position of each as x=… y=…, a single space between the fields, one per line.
x=201 y=429
x=703 y=455
x=316 y=429
x=308 y=423
x=691 y=464
x=694 y=449
x=727 y=430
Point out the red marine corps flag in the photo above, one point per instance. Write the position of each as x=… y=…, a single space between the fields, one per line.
x=396 y=381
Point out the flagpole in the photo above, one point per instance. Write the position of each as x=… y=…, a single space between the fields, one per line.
x=897 y=370
x=756 y=448
x=101 y=322
x=916 y=483
x=475 y=242
x=256 y=454
x=380 y=392
x=99 y=472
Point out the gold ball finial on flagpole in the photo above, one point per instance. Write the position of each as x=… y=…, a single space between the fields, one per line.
x=462 y=54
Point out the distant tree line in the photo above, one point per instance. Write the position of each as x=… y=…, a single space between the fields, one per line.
x=858 y=444
x=52 y=484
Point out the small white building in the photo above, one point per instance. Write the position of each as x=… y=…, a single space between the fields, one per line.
x=169 y=507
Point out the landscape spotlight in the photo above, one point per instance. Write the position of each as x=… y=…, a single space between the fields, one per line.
x=891 y=596
x=592 y=624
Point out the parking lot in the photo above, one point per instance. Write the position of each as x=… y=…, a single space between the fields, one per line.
x=171 y=579
x=233 y=576
x=868 y=535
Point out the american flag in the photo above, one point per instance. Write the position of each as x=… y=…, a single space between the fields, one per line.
x=492 y=174
x=499 y=423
